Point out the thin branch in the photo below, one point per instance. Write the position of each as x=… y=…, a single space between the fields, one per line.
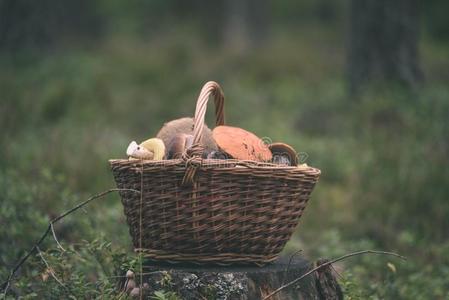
x=330 y=263
x=54 y=236
x=140 y=231
x=91 y=199
x=50 y=269
x=7 y=283
x=123 y=289
x=336 y=272
x=143 y=274
x=289 y=263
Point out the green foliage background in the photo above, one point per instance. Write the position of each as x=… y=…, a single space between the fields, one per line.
x=69 y=106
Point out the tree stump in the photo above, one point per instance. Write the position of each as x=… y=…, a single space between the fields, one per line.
x=241 y=282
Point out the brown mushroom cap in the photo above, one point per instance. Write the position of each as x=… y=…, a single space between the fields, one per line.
x=241 y=144
x=284 y=150
x=185 y=125
x=177 y=146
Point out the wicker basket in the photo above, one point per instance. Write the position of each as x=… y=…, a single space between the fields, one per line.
x=212 y=211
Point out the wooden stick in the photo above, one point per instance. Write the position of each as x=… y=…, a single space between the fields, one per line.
x=54 y=236
x=330 y=263
x=290 y=262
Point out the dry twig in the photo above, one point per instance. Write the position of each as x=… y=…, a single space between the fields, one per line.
x=290 y=262
x=50 y=269
x=54 y=236
x=35 y=247
x=330 y=263
x=144 y=274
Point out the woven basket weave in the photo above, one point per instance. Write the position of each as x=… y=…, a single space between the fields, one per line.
x=212 y=211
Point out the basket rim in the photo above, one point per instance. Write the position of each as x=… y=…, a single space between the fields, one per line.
x=215 y=163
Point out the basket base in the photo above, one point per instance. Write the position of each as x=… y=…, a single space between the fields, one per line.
x=222 y=259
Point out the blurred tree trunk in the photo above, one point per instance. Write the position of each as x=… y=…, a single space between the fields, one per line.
x=246 y=24
x=383 y=43
x=235 y=31
x=40 y=24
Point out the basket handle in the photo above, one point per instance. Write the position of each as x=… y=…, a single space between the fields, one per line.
x=192 y=155
x=210 y=88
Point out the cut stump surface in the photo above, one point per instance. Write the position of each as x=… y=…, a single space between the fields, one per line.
x=242 y=282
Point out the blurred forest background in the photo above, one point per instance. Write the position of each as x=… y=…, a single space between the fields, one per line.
x=362 y=86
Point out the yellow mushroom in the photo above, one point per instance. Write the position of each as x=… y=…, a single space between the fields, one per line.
x=151 y=149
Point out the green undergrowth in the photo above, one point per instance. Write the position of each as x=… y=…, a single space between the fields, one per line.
x=383 y=157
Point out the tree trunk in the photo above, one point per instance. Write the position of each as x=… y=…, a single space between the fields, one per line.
x=239 y=282
x=246 y=24
x=40 y=24
x=383 y=43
